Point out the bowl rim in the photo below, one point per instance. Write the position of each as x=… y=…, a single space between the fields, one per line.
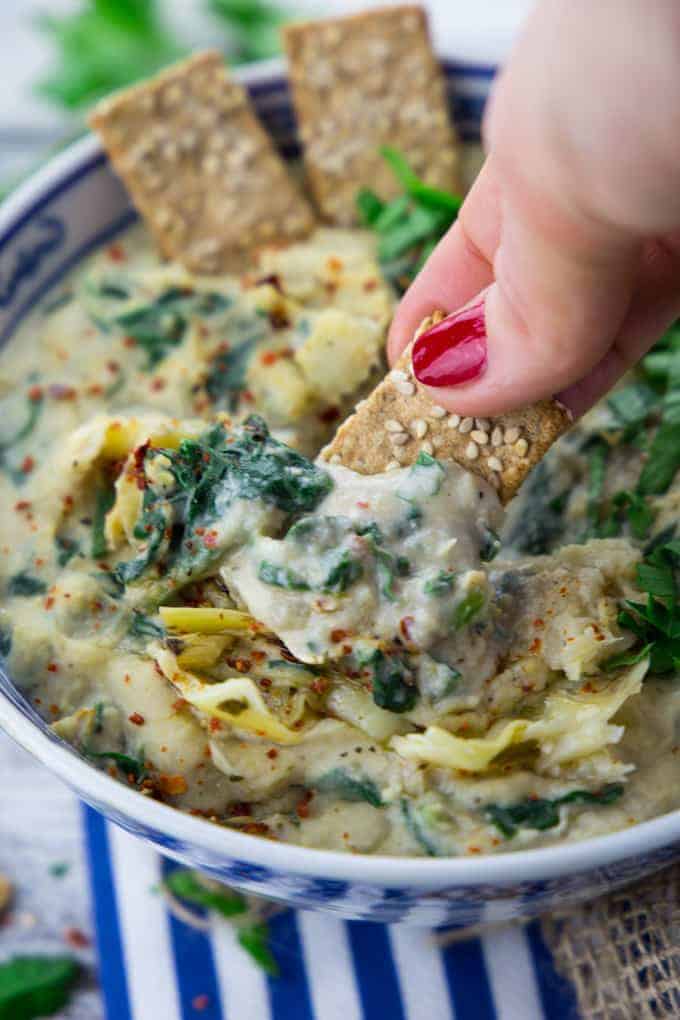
x=503 y=869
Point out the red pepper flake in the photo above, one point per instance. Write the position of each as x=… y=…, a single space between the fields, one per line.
x=539 y=623
x=248 y=395
x=243 y=665
x=210 y=540
x=302 y=806
x=370 y=285
x=256 y=829
x=27 y=465
x=129 y=341
x=35 y=393
x=329 y=415
x=113 y=366
x=54 y=709
x=95 y=390
x=265 y=683
x=338 y=635
x=116 y=252
x=272 y=753
x=405 y=625
x=257 y=655
x=137 y=719
x=138 y=458
x=39 y=562
x=22 y=505
x=362 y=504
x=68 y=503
x=200 y=1002
x=157 y=384
x=77 y=938
x=240 y=808
x=172 y=786
x=52 y=667
x=49 y=602
x=214 y=725
x=334 y=264
x=269 y=357
x=535 y=646
x=319 y=685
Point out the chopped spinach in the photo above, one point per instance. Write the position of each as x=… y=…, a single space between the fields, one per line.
x=5 y=639
x=134 y=768
x=597 y=453
x=254 y=939
x=344 y=571
x=104 y=500
x=187 y=885
x=146 y=626
x=536 y=533
x=67 y=548
x=441 y=584
x=468 y=608
x=24 y=585
x=34 y=410
x=540 y=813
x=393 y=682
x=349 y=787
x=491 y=545
x=280 y=576
x=226 y=378
x=36 y=986
x=415 y=826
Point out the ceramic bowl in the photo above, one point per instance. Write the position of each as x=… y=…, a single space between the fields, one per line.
x=51 y=223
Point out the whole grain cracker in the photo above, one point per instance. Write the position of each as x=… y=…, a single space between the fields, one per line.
x=360 y=82
x=199 y=166
x=399 y=420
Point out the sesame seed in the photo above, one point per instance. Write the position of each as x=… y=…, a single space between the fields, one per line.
x=511 y=435
x=392 y=425
x=398 y=375
x=454 y=421
x=483 y=423
x=398 y=438
x=392 y=465
x=419 y=428
x=427 y=447
x=497 y=436
x=335 y=459
x=466 y=425
x=495 y=464
x=407 y=389
x=521 y=447
x=472 y=451
x=480 y=436
x=438 y=412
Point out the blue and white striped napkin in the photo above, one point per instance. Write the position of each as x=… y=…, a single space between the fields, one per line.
x=154 y=967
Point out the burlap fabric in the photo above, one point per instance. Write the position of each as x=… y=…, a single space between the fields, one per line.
x=622 y=952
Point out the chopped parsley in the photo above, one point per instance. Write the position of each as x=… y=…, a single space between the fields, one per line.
x=540 y=813
x=129 y=767
x=25 y=585
x=441 y=584
x=104 y=500
x=468 y=608
x=394 y=686
x=656 y=622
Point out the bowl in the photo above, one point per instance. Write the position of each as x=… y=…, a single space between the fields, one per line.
x=51 y=223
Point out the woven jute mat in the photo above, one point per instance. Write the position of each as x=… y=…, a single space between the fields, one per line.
x=622 y=952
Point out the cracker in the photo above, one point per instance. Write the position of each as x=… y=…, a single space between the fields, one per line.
x=399 y=420
x=364 y=81
x=199 y=166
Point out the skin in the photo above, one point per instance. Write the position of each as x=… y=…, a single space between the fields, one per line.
x=572 y=230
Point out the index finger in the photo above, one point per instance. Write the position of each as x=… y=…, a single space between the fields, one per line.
x=460 y=266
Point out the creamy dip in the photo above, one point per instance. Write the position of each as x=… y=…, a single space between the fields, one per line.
x=287 y=647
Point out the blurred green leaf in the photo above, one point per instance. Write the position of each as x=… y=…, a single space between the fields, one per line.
x=253 y=27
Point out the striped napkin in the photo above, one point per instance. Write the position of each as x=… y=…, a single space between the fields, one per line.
x=154 y=967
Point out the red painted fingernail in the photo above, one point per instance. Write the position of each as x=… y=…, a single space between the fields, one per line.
x=453 y=351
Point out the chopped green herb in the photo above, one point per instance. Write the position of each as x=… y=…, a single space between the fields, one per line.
x=656 y=622
x=255 y=940
x=394 y=685
x=67 y=548
x=538 y=532
x=281 y=577
x=36 y=986
x=468 y=608
x=59 y=869
x=146 y=626
x=597 y=453
x=541 y=814
x=343 y=573
x=129 y=767
x=35 y=406
x=442 y=584
x=349 y=787
x=104 y=500
x=5 y=639
x=369 y=206
x=491 y=545
x=24 y=585
x=228 y=372
x=415 y=826
x=627 y=658
x=188 y=885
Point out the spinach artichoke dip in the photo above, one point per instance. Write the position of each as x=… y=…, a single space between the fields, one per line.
x=373 y=664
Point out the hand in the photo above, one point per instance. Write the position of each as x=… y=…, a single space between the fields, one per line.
x=566 y=251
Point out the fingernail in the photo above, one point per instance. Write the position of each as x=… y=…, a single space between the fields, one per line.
x=453 y=351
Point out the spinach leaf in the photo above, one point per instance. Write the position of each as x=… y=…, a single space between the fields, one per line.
x=25 y=585
x=130 y=768
x=491 y=545
x=541 y=813
x=34 y=410
x=663 y=458
x=280 y=576
x=369 y=206
x=656 y=622
x=227 y=375
x=67 y=548
x=343 y=573
x=187 y=885
x=145 y=626
x=538 y=531
x=104 y=500
x=415 y=826
x=349 y=787
x=394 y=686
x=36 y=986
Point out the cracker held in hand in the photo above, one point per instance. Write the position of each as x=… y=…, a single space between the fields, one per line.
x=199 y=166
x=399 y=420
x=361 y=82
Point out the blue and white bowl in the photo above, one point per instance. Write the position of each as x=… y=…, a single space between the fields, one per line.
x=62 y=214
